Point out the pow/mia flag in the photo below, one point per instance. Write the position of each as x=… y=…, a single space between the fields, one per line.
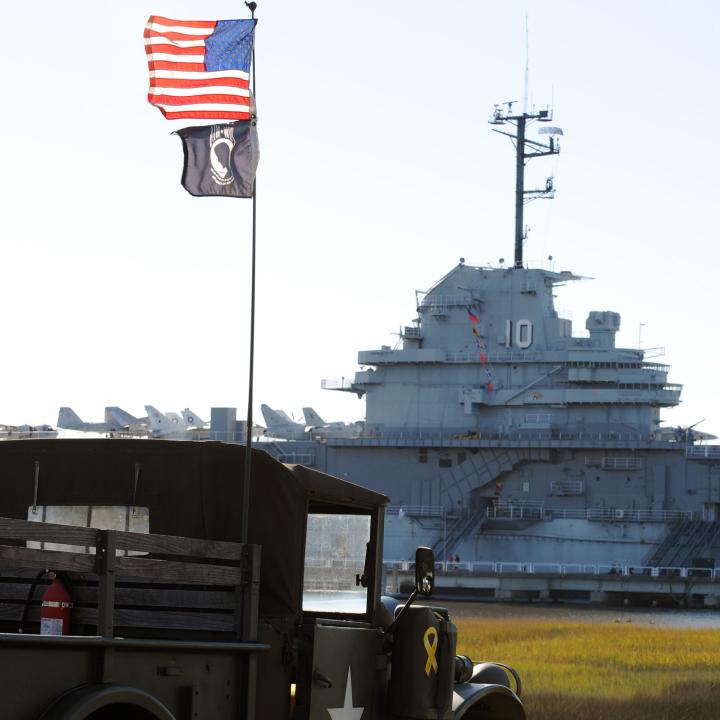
x=220 y=159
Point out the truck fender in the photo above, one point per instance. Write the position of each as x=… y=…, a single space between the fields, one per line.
x=494 y=673
x=473 y=701
x=79 y=703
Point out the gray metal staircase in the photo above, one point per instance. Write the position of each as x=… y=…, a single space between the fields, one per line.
x=482 y=468
x=476 y=471
x=684 y=541
x=460 y=528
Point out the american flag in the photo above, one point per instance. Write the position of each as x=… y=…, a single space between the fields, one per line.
x=200 y=68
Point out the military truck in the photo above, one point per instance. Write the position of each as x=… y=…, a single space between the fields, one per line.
x=129 y=589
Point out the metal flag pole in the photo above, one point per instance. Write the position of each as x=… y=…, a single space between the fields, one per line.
x=248 y=431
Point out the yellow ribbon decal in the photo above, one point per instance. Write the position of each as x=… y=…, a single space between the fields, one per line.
x=431 y=648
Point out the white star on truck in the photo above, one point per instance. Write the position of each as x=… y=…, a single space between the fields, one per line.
x=347 y=711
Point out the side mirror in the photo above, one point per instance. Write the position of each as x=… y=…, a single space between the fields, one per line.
x=424 y=571
x=424 y=581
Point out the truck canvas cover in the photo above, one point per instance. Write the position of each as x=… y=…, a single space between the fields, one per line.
x=192 y=489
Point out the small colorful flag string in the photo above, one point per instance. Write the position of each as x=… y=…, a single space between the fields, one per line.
x=480 y=343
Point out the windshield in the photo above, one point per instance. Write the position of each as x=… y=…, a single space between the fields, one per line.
x=335 y=548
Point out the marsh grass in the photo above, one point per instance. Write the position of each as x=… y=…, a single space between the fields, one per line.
x=601 y=671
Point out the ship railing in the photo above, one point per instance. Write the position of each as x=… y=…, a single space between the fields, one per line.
x=702 y=451
x=445 y=301
x=466 y=356
x=607 y=570
x=567 y=486
x=296 y=458
x=336 y=384
x=528 y=510
x=416 y=510
x=331 y=563
x=537 y=510
x=657 y=367
x=614 y=462
x=527 y=435
x=667 y=389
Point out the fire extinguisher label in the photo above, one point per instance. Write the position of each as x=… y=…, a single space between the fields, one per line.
x=51 y=626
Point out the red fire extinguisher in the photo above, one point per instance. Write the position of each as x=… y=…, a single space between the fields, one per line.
x=56 y=608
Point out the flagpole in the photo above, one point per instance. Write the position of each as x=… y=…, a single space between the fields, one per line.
x=248 y=433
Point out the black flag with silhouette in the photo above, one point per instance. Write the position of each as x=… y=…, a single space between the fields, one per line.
x=220 y=159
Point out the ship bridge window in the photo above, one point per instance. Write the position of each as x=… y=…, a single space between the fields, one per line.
x=444 y=462
x=422 y=455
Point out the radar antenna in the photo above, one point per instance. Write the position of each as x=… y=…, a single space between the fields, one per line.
x=526 y=150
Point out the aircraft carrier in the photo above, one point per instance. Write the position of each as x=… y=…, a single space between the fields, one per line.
x=499 y=436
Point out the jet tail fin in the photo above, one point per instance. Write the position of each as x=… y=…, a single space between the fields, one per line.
x=68 y=419
x=191 y=419
x=120 y=417
x=158 y=421
x=273 y=418
x=312 y=418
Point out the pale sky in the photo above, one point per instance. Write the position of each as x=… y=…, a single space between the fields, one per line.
x=378 y=172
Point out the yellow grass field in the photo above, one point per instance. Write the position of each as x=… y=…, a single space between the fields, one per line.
x=602 y=671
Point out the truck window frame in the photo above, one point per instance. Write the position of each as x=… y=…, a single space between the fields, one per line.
x=367 y=618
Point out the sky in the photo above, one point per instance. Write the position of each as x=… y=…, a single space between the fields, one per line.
x=378 y=172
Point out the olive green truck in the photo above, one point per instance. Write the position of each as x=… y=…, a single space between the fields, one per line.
x=129 y=590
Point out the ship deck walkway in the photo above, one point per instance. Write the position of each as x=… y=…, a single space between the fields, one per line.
x=538 y=510
x=631 y=441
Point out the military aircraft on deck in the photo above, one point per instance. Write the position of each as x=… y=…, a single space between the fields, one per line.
x=280 y=426
x=317 y=427
x=172 y=425
x=116 y=421
x=24 y=432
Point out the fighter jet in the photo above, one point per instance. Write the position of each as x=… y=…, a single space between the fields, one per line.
x=172 y=425
x=128 y=423
x=319 y=428
x=116 y=421
x=280 y=426
x=68 y=419
x=26 y=432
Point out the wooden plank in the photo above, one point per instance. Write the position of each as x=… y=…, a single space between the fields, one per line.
x=180 y=546
x=200 y=599
x=161 y=597
x=16 y=529
x=128 y=566
x=148 y=619
x=167 y=597
x=14 y=611
x=160 y=619
x=218 y=622
x=17 y=592
x=55 y=559
x=14 y=574
x=181 y=571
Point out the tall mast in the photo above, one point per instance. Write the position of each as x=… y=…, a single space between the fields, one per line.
x=526 y=150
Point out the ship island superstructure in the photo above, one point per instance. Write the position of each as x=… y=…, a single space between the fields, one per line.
x=499 y=436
